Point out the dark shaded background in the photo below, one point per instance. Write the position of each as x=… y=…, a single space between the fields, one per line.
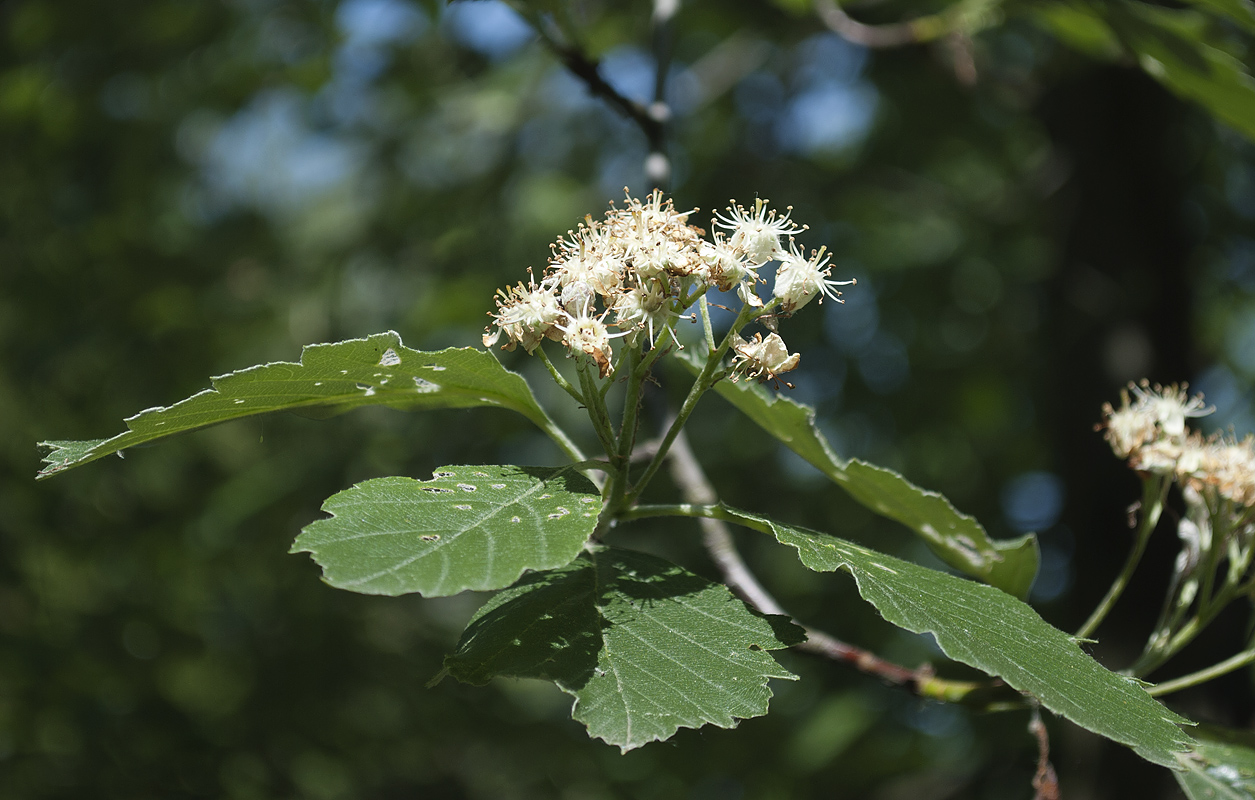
x=188 y=188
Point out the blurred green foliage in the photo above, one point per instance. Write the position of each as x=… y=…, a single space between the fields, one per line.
x=188 y=188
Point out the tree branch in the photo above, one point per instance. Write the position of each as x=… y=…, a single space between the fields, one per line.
x=696 y=489
x=650 y=119
x=874 y=36
x=955 y=19
x=658 y=165
x=1045 y=782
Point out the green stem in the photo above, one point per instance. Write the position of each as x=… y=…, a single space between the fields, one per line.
x=570 y=448
x=706 y=327
x=555 y=431
x=1154 y=489
x=1203 y=675
x=560 y=438
x=1175 y=606
x=1151 y=661
x=1239 y=559
x=1244 y=588
x=1217 y=549
x=559 y=379
x=596 y=407
x=703 y=382
x=627 y=427
x=660 y=348
x=631 y=405
x=1197 y=623
x=1170 y=636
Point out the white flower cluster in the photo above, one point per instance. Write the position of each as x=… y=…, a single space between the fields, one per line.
x=1149 y=430
x=638 y=270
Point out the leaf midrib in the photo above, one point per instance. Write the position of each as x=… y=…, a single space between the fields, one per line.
x=439 y=545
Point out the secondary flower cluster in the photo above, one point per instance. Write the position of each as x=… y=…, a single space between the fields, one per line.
x=638 y=271
x=1149 y=430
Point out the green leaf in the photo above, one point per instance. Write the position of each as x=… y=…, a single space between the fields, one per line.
x=1222 y=767
x=329 y=379
x=1078 y=25
x=644 y=646
x=992 y=631
x=956 y=538
x=1241 y=12
x=1171 y=46
x=467 y=528
x=795 y=7
x=1175 y=46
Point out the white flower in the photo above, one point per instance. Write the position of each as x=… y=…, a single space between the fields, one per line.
x=656 y=255
x=576 y=295
x=648 y=309
x=587 y=260
x=757 y=234
x=1128 y=427
x=1195 y=451
x=526 y=315
x=1169 y=405
x=654 y=238
x=1159 y=456
x=1149 y=427
x=727 y=266
x=656 y=213
x=587 y=333
x=799 y=279
x=747 y=294
x=1230 y=467
x=1149 y=430
x=765 y=359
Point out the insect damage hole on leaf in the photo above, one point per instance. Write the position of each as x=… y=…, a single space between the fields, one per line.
x=401 y=535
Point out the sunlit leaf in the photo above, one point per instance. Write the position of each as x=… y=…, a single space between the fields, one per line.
x=643 y=645
x=329 y=379
x=466 y=528
x=994 y=632
x=956 y=538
